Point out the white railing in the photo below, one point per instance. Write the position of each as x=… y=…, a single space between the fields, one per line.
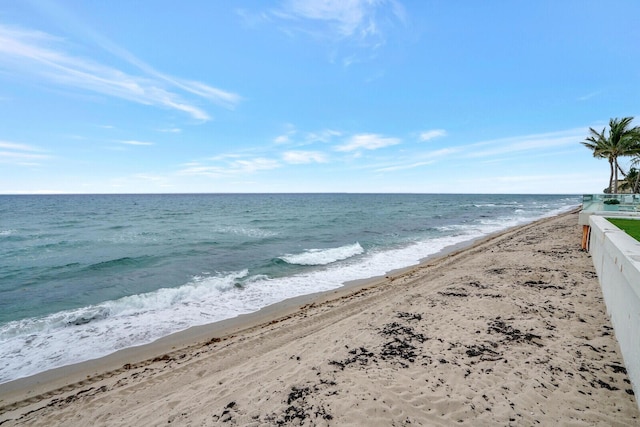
x=611 y=202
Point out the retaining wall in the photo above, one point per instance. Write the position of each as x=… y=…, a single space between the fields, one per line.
x=616 y=257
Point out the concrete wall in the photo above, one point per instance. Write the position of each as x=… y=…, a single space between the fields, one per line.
x=616 y=257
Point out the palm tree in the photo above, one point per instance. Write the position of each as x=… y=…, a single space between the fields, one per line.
x=630 y=181
x=621 y=141
x=636 y=182
x=598 y=143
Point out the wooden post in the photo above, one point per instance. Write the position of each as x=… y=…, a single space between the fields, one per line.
x=586 y=230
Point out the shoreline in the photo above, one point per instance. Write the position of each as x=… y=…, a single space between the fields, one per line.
x=86 y=372
x=24 y=362
x=269 y=334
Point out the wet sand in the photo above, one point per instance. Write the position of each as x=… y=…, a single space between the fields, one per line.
x=511 y=331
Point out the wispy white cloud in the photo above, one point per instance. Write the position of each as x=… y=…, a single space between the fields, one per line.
x=355 y=29
x=544 y=141
x=431 y=134
x=293 y=136
x=230 y=167
x=195 y=168
x=344 y=18
x=34 y=53
x=254 y=165
x=16 y=146
x=134 y=142
x=87 y=33
x=404 y=166
x=443 y=152
x=285 y=137
x=8 y=155
x=252 y=19
x=304 y=157
x=415 y=161
x=170 y=130
x=325 y=135
x=367 y=141
x=589 y=96
x=221 y=97
x=21 y=154
x=282 y=139
x=542 y=144
x=224 y=157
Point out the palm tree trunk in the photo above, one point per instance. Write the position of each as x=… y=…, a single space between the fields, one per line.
x=624 y=174
x=615 y=178
x=611 y=176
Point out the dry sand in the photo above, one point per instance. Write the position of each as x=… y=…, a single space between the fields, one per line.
x=512 y=331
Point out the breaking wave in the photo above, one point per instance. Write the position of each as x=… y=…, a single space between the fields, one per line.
x=324 y=256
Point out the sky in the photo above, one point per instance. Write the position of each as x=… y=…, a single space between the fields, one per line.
x=255 y=96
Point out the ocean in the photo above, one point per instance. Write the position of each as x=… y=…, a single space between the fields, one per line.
x=82 y=276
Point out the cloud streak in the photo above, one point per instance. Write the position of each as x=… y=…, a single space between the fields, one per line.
x=303 y=157
x=404 y=167
x=20 y=154
x=369 y=141
x=417 y=160
x=34 y=53
x=230 y=167
x=546 y=144
x=343 y=19
x=431 y=134
x=544 y=141
x=293 y=137
x=133 y=142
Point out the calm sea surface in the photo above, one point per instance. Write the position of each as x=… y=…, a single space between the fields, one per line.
x=85 y=275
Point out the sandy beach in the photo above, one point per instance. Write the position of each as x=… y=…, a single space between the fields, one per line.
x=510 y=331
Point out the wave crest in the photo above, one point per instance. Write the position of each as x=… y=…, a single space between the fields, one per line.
x=323 y=256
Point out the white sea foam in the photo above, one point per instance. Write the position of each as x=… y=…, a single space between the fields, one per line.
x=33 y=345
x=324 y=256
x=255 y=233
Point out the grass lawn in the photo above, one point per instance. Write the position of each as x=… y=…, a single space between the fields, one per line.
x=630 y=226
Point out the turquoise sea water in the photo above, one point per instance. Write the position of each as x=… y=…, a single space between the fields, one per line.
x=82 y=276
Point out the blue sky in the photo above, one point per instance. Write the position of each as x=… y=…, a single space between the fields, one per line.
x=312 y=96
